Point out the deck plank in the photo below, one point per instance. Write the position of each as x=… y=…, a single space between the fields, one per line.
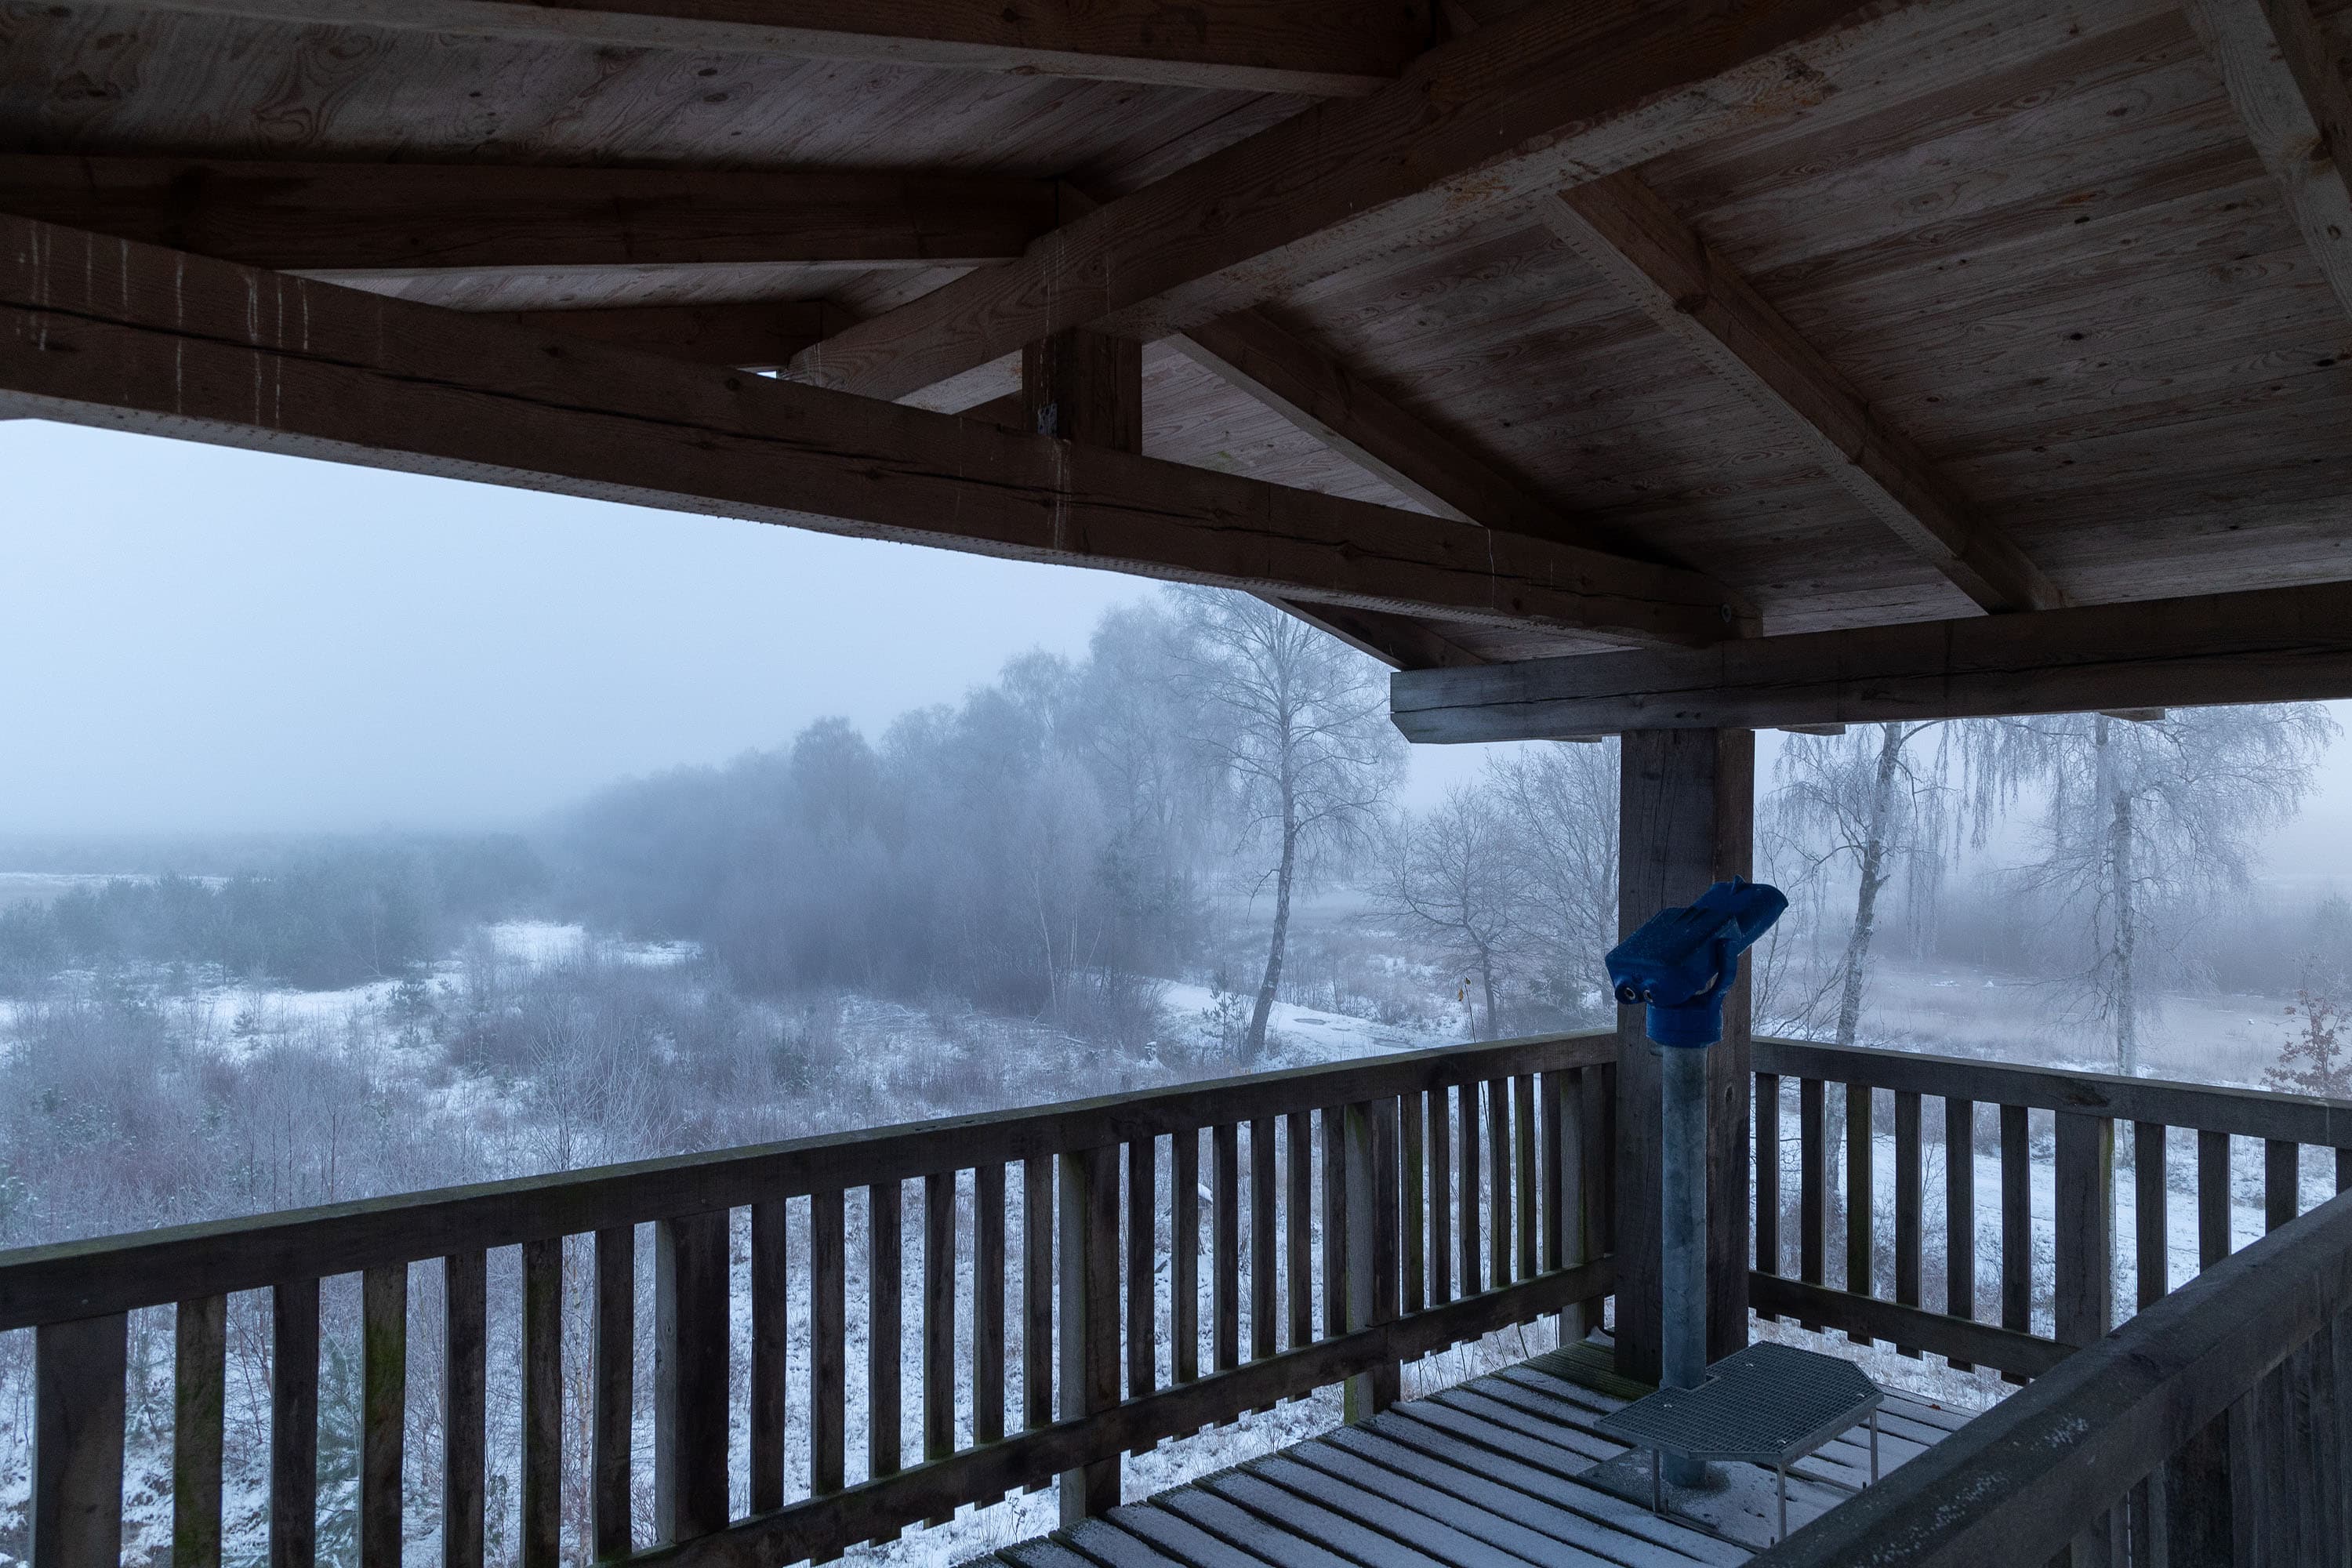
x=1342 y=1532
x=1099 y=1544
x=1042 y=1554
x=1179 y=1538
x=1440 y=1506
x=1238 y=1527
x=1432 y=1538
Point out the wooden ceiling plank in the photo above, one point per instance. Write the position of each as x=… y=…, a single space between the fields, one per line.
x=1551 y=94
x=1398 y=641
x=1625 y=232
x=2283 y=79
x=99 y=331
x=1340 y=48
x=2272 y=645
x=351 y=218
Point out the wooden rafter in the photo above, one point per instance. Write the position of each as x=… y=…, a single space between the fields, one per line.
x=1345 y=48
x=2268 y=645
x=104 y=331
x=762 y=335
x=1554 y=92
x=396 y=218
x=1625 y=231
x=2285 y=81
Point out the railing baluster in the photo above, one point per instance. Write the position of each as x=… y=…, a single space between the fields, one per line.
x=885 y=1326
x=1142 y=1267
x=2151 y=1248
x=1335 y=1222
x=1499 y=1186
x=1184 y=1254
x=1600 y=1170
x=1860 y=1192
x=1473 y=1183
x=464 y=1291
x=938 y=1320
x=383 y=1413
x=1225 y=1246
x=1089 y=1312
x=1039 y=1290
x=1440 y=1197
x=1367 y=1286
x=690 y=1364
x=1264 y=1240
x=1910 y=1159
x=1297 y=1224
x=542 y=1402
x=2282 y=1182
x=1768 y=1172
x=1523 y=1127
x=1812 y=1183
x=988 y=1302
x=614 y=1419
x=1414 y=1242
x=1960 y=1212
x=294 y=1423
x=2086 y=1221
x=2213 y=1198
x=76 y=1508
x=2016 y=1225
x=199 y=1389
x=1577 y=1319
x=771 y=1339
x=828 y=1348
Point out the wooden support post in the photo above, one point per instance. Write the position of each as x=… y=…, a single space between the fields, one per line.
x=1089 y=1310
x=690 y=1362
x=383 y=1412
x=1686 y=818
x=1369 y=1162
x=76 y=1508
x=2086 y=1227
x=199 y=1389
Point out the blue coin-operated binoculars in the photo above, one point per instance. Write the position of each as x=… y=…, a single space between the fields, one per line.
x=1683 y=961
x=1680 y=965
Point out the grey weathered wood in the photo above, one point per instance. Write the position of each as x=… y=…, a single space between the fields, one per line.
x=1579 y=1238
x=1142 y=1267
x=2150 y=1201
x=1523 y=1165
x=828 y=1351
x=988 y=1303
x=2253 y=645
x=1909 y=1221
x=1226 y=1243
x=1768 y=1173
x=157 y=1267
x=1264 y=1239
x=2282 y=1182
x=884 y=1325
x=1298 y=1221
x=2213 y=1239
x=1332 y=1123
x=1960 y=1212
x=1413 y=1166
x=1090 y=1317
x=1470 y=1187
x=939 y=1318
x=1813 y=1181
x=1867 y=1318
x=383 y=1412
x=541 y=1544
x=294 y=1424
x=1440 y=1197
x=2194 y=1500
x=2016 y=1221
x=771 y=1353
x=613 y=1421
x=74 y=1516
x=1861 y=1189
x=199 y=1387
x=1501 y=1184
x=1184 y=1255
x=1038 y=1291
x=691 y=1309
x=464 y=1288
x=2086 y=1225
x=1369 y=1289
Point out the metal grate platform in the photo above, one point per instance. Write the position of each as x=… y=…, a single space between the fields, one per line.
x=1768 y=1405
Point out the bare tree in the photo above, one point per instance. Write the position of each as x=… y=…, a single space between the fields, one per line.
x=1454 y=875
x=1299 y=721
x=1877 y=800
x=1559 y=803
x=2143 y=821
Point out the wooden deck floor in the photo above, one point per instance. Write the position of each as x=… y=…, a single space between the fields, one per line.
x=1494 y=1474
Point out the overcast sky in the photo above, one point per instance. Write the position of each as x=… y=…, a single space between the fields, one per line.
x=196 y=638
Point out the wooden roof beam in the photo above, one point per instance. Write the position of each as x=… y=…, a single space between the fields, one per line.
x=1556 y=92
x=340 y=220
x=111 y=333
x=2269 y=645
x=1622 y=229
x=1325 y=48
x=762 y=335
x=2283 y=79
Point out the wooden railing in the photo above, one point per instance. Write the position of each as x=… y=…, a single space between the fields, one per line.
x=2085 y=1109
x=2213 y=1428
x=1427 y=1240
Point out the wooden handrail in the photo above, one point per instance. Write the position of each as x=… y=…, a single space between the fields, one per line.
x=2020 y=1482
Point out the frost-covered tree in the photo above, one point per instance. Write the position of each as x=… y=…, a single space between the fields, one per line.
x=1558 y=802
x=1299 y=723
x=1453 y=876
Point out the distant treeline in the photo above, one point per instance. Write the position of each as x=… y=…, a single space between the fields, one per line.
x=328 y=917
